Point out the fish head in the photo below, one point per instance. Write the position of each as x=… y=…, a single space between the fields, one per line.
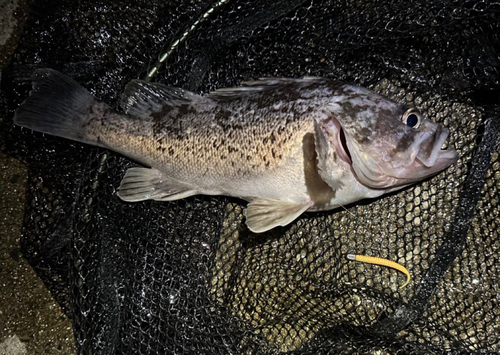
x=388 y=145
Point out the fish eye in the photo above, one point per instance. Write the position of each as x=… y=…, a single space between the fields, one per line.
x=412 y=118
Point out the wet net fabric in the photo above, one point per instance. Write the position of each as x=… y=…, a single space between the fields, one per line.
x=188 y=276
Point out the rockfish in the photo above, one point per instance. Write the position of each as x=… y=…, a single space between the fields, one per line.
x=286 y=146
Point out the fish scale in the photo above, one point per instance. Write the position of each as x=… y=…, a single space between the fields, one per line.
x=285 y=145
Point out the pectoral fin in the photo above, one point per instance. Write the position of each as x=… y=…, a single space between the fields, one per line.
x=264 y=214
x=325 y=135
x=141 y=184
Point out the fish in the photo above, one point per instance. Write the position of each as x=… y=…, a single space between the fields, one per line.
x=287 y=146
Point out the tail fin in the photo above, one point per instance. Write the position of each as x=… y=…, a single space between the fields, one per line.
x=57 y=105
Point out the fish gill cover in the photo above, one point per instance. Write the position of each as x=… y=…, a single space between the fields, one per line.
x=188 y=276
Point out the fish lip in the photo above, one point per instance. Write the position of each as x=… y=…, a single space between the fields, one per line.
x=429 y=160
x=437 y=153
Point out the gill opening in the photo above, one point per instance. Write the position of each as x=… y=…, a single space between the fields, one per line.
x=343 y=142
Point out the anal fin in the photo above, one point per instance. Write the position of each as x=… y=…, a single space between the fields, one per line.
x=141 y=184
x=264 y=214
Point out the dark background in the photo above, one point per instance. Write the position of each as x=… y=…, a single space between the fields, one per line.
x=188 y=276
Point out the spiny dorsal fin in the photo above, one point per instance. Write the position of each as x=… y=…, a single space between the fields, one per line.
x=142 y=98
x=264 y=214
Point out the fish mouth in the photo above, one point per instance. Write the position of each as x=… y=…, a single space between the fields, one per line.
x=430 y=152
x=430 y=158
x=422 y=159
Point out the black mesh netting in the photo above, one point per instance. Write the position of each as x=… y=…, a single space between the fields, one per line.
x=188 y=277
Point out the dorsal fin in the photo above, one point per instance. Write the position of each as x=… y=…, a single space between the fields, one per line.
x=142 y=98
x=253 y=87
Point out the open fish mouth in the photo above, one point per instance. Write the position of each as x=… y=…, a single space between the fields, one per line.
x=377 y=169
x=429 y=159
x=430 y=153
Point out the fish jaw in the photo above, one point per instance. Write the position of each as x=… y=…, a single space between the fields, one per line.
x=381 y=174
x=384 y=152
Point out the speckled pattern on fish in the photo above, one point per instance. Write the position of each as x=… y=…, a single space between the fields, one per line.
x=285 y=145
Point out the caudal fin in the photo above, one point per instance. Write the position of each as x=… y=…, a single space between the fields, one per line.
x=57 y=105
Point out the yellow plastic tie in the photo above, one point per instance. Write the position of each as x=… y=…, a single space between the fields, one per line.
x=383 y=262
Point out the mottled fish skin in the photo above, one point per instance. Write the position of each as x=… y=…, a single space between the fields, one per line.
x=386 y=152
x=228 y=143
x=286 y=145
